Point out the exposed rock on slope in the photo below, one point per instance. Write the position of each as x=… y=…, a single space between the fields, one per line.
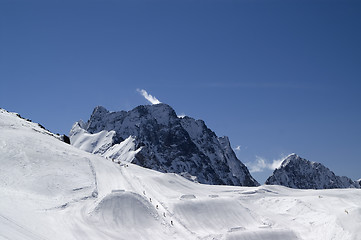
x=359 y=183
x=153 y=136
x=297 y=172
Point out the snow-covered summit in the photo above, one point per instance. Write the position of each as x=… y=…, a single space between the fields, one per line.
x=297 y=172
x=164 y=142
x=287 y=159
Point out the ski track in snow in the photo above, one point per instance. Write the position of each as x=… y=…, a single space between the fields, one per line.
x=51 y=190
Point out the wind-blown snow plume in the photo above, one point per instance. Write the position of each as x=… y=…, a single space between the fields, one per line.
x=262 y=164
x=276 y=163
x=150 y=98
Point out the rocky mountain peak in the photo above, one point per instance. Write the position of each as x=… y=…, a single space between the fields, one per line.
x=164 y=142
x=99 y=111
x=293 y=157
x=297 y=172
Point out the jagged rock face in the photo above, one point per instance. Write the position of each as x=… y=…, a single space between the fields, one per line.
x=296 y=172
x=167 y=143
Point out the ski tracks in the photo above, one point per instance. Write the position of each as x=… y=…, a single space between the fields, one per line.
x=11 y=226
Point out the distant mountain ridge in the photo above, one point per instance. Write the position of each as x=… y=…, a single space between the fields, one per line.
x=297 y=172
x=153 y=136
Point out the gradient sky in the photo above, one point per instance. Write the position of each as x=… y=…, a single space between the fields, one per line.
x=277 y=77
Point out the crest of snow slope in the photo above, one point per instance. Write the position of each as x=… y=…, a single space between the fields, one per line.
x=163 y=142
x=51 y=190
x=102 y=143
x=296 y=172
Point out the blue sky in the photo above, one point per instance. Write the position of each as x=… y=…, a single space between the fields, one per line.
x=277 y=77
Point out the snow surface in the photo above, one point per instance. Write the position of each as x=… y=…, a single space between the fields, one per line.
x=51 y=190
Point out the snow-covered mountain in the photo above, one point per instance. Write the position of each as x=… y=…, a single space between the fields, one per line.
x=297 y=172
x=152 y=136
x=52 y=190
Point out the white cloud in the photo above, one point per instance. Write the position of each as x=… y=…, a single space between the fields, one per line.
x=182 y=115
x=237 y=149
x=150 y=98
x=261 y=164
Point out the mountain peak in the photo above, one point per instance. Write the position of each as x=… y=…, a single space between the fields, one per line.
x=297 y=172
x=100 y=110
x=292 y=158
x=160 y=111
x=166 y=143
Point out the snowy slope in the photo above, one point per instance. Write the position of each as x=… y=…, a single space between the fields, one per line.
x=297 y=172
x=153 y=136
x=102 y=143
x=51 y=190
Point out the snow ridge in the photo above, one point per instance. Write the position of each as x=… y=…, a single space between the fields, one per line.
x=14 y=120
x=297 y=172
x=153 y=136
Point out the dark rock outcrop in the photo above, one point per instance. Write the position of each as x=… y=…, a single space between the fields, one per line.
x=297 y=172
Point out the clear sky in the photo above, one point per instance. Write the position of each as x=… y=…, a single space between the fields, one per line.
x=277 y=77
